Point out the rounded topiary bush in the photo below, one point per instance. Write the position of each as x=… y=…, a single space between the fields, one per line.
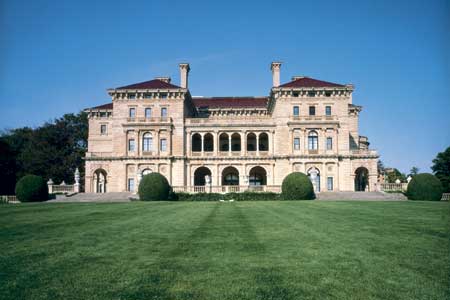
x=31 y=188
x=297 y=186
x=154 y=187
x=424 y=186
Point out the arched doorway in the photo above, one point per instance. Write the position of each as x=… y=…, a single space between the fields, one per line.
x=230 y=176
x=257 y=176
x=314 y=176
x=100 y=181
x=200 y=176
x=361 y=179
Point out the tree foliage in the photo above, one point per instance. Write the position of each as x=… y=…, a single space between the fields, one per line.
x=424 y=186
x=52 y=150
x=297 y=186
x=441 y=168
x=395 y=174
x=154 y=187
x=32 y=188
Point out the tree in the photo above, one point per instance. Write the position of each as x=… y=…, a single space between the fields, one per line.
x=414 y=171
x=441 y=168
x=395 y=174
x=53 y=150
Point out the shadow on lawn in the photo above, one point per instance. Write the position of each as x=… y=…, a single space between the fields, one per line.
x=163 y=280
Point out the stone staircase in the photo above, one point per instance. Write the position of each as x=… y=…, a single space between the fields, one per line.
x=363 y=196
x=95 y=197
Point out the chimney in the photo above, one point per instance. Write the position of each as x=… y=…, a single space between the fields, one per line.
x=275 y=67
x=184 y=72
x=165 y=79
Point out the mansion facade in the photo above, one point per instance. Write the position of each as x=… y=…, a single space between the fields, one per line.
x=224 y=144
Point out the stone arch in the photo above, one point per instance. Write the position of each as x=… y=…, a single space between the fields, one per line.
x=199 y=176
x=361 y=179
x=100 y=181
x=230 y=176
x=314 y=175
x=224 y=142
x=196 y=142
x=257 y=176
x=263 y=141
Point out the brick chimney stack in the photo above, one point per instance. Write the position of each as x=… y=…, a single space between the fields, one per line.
x=275 y=67
x=184 y=73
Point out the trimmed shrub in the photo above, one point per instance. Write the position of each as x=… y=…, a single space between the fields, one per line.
x=31 y=188
x=154 y=187
x=424 y=186
x=297 y=186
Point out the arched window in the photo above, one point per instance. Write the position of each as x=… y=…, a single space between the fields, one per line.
x=196 y=142
x=258 y=176
x=251 y=142
x=208 y=143
x=313 y=141
x=200 y=176
x=223 y=142
x=236 y=142
x=263 y=142
x=147 y=142
x=146 y=171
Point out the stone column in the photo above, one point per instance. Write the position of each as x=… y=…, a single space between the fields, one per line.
x=203 y=143
x=257 y=144
x=244 y=144
x=50 y=186
x=291 y=141
x=157 y=141
x=188 y=143
x=229 y=144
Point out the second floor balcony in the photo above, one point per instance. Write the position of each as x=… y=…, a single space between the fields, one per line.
x=152 y=120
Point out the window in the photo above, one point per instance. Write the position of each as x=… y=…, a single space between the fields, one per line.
x=103 y=114
x=132 y=112
x=313 y=143
x=163 y=145
x=296 y=111
x=102 y=129
x=328 y=110
x=327 y=94
x=311 y=94
x=148 y=112
x=164 y=95
x=131 y=145
x=163 y=112
x=330 y=183
x=296 y=143
x=147 y=142
x=295 y=94
x=147 y=96
x=329 y=143
x=131 y=96
x=131 y=184
x=312 y=110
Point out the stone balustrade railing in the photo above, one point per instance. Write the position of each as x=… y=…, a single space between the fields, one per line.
x=392 y=187
x=227 y=189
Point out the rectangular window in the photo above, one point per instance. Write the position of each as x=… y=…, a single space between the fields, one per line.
x=164 y=95
x=131 y=184
x=163 y=112
x=131 y=96
x=329 y=143
x=132 y=112
x=148 y=113
x=296 y=111
x=131 y=145
x=313 y=142
x=295 y=94
x=311 y=94
x=163 y=145
x=330 y=183
x=102 y=129
x=327 y=94
x=312 y=110
x=147 y=96
x=328 y=110
x=296 y=144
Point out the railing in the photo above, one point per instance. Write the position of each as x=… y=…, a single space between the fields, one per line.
x=150 y=120
x=445 y=197
x=9 y=199
x=314 y=118
x=65 y=189
x=392 y=187
x=227 y=189
x=363 y=152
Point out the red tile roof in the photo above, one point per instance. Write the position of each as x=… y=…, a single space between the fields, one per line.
x=229 y=102
x=103 y=106
x=149 y=85
x=310 y=82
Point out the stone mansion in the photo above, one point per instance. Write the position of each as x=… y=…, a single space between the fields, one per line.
x=224 y=144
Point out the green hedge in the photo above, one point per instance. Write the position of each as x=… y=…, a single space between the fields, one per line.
x=245 y=196
x=424 y=186
x=297 y=186
x=154 y=187
x=31 y=188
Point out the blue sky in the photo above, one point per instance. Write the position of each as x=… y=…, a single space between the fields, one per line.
x=59 y=57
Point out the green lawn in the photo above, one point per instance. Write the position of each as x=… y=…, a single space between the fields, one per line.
x=211 y=250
